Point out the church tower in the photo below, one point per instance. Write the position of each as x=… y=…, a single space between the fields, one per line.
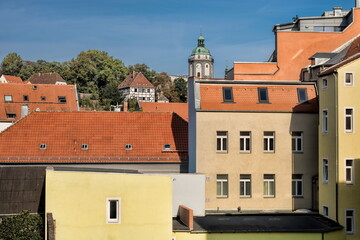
x=201 y=63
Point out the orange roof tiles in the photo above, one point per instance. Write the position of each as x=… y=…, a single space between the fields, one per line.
x=13 y=79
x=105 y=133
x=43 y=97
x=282 y=98
x=180 y=108
x=135 y=79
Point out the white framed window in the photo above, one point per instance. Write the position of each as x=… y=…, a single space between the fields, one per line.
x=8 y=98
x=325 y=164
x=221 y=141
x=128 y=147
x=245 y=142
x=269 y=185
x=324 y=83
x=349 y=221
x=349 y=120
x=297 y=141
x=84 y=147
x=324 y=120
x=245 y=185
x=349 y=79
x=43 y=146
x=326 y=211
x=349 y=171
x=113 y=210
x=167 y=147
x=269 y=141
x=297 y=185
x=222 y=185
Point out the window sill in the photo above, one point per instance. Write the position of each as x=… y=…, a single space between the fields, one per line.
x=221 y=152
x=221 y=197
x=245 y=196
x=298 y=196
x=349 y=183
x=269 y=151
x=297 y=152
x=245 y=152
x=264 y=103
x=228 y=102
x=269 y=196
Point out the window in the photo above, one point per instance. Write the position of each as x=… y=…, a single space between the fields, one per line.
x=11 y=115
x=349 y=79
x=113 y=209
x=245 y=141
x=269 y=141
x=148 y=90
x=325 y=170
x=349 y=120
x=245 y=185
x=135 y=89
x=221 y=141
x=349 y=171
x=297 y=185
x=302 y=95
x=222 y=187
x=43 y=98
x=167 y=146
x=324 y=83
x=84 y=147
x=227 y=94
x=296 y=141
x=35 y=87
x=128 y=147
x=263 y=95
x=25 y=98
x=43 y=146
x=326 y=211
x=8 y=98
x=325 y=121
x=269 y=185
x=62 y=99
x=349 y=221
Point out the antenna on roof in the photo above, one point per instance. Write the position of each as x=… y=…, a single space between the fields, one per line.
x=200 y=30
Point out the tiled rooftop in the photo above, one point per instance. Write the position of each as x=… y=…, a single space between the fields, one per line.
x=281 y=98
x=12 y=79
x=135 y=79
x=46 y=78
x=43 y=97
x=106 y=135
x=180 y=108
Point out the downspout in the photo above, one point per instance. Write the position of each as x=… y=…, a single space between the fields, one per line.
x=336 y=150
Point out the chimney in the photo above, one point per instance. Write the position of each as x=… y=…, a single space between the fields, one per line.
x=337 y=11
x=125 y=106
x=186 y=216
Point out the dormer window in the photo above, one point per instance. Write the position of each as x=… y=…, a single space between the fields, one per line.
x=8 y=98
x=43 y=98
x=26 y=98
x=43 y=146
x=167 y=147
x=34 y=87
x=84 y=147
x=263 y=95
x=128 y=147
x=302 y=95
x=62 y=99
x=227 y=94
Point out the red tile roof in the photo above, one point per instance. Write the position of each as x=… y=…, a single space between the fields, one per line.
x=135 y=79
x=106 y=134
x=46 y=78
x=35 y=94
x=180 y=108
x=282 y=98
x=13 y=79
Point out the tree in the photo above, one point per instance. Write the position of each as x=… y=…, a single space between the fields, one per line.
x=165 y=87
x=181 y=89
x=110 y=95
x=11 y=64
x=22 y=227
x=145 y=70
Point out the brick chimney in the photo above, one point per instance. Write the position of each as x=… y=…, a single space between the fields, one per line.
x=186 y=216
x=126 y=106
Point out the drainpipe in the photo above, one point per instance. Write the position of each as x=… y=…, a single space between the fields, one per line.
x=336 y=149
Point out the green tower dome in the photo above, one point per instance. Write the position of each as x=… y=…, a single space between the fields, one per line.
x=201 y=49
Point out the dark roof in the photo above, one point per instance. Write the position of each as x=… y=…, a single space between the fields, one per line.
x=272 y=222
x=22 y=188
x=46 y=78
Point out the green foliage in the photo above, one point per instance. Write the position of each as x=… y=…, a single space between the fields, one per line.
x=165 y=87
x=180 y=86
x=23 y=226
x=145 y=70
x=11 y=64
x=111 y=91
x=133 y=105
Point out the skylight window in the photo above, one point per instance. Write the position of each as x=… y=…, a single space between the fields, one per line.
x=128 y=147
x=84 y=147
x=43 y=146
x=263 y=95
x=302 y=95
x=167 y=147
x=227 y=94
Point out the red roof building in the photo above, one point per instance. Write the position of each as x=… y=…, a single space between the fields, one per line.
x=151 y=141
x=180 y=108
x=136 y=86
x=10 y=79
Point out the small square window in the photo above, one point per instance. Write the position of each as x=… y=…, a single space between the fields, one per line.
x=302 y=95
x=227 y=94
x=263 y=95
x=113 y=210
x=8 y=98
x=84 y=147
x=167 y=146
x=128 y=147
x=324 y=83
x=326 y=211
x=25 y=98
x=349 y=79
x=35 y=87
x=43 y=98
x=62 y=99
x=43 y=146
x=349 y=221
x=11 y=115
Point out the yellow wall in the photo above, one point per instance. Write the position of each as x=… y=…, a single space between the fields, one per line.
x=283 y=163
x=258 y=236
x=77 y=201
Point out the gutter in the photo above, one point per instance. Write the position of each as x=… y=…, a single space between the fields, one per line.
x=336 y=150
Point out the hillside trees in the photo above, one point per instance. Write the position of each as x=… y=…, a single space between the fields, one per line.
x=11 y=64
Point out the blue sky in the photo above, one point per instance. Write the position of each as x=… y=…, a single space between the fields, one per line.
x=159 y=33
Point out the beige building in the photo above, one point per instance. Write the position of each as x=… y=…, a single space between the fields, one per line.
x=256 y=142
